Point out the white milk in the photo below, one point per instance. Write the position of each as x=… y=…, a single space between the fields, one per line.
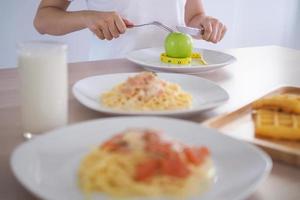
x=44 y=85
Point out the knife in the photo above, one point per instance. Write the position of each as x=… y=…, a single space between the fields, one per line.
x=190 y=31
x=183 y=29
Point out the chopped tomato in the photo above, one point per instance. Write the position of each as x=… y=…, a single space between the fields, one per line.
x=109 y=145
x=115 y=143
x=204 y=151
x=146 y=169
x=160 y=149
x=193 y=155
x=151 y=137
x=174 y=167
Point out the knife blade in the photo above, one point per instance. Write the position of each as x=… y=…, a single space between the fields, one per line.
x=190 y=31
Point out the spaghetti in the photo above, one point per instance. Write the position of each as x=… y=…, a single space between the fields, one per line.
x=146 y=92
x=140 y=162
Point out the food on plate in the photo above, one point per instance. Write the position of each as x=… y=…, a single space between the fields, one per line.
x=178 y=50
x=183 y=61
x=144 y=162
x=277 y=125
x=283 y=102
x=146 y=92
x=277 y=117
x=178 y=45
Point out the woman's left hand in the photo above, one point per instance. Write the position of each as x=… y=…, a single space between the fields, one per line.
x=214 y=30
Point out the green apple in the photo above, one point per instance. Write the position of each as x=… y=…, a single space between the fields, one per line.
x=178 y=45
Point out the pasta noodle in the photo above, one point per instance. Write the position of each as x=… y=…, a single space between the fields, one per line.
x=146 y=92
x=113 y=172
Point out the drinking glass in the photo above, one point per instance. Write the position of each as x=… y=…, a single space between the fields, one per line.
x=44 y=85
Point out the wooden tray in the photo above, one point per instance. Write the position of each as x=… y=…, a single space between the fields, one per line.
x=239 y=124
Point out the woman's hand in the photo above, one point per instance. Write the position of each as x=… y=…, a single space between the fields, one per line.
x=106 y=25
x=195 y=17
x=53 y=18
x=214 y=30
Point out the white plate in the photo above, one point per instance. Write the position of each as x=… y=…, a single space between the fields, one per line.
x=206 y=94
x=150 y=59
x=47 y=165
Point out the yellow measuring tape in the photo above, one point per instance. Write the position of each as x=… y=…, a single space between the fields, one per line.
x=183 y=61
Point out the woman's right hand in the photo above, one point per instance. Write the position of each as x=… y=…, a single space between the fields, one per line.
x=106 y=25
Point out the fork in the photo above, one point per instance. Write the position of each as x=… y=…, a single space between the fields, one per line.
x=156 y=23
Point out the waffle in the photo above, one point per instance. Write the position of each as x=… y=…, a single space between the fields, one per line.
x=276 y=124
x=285 y=102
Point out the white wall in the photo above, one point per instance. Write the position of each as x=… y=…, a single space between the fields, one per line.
x=16 y=25
x=250 y=23
x=257 y=22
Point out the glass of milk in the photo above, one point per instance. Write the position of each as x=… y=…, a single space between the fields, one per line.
x=44 y=85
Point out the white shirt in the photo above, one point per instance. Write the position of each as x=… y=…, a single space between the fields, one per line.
x=169 y=12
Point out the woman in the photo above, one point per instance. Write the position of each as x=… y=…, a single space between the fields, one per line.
x=110 y=21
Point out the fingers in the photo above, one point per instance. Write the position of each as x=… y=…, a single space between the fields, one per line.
x=213 y=35
x=207 y=30
x=214 y=30
x=106 y=32
x=120 y=24
x=128 y=23
x=99 y=34
x=106 y=25
x=219 y=33
x=113 y=29
x=224 y=30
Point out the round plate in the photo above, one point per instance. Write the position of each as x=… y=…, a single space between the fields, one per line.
x=206 y=94
x=47 y=165
x=150 y=59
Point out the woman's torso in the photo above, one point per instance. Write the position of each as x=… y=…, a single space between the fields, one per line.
x=169 y=12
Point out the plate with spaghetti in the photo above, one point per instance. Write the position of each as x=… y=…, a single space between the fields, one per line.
x=202 y=60
x=145 y=158
x=148 y=93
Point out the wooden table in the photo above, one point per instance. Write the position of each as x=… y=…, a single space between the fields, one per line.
x=258 y=70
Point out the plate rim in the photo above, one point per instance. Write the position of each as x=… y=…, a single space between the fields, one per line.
x=268 y=163
x=184 y=112
x=182 y=68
